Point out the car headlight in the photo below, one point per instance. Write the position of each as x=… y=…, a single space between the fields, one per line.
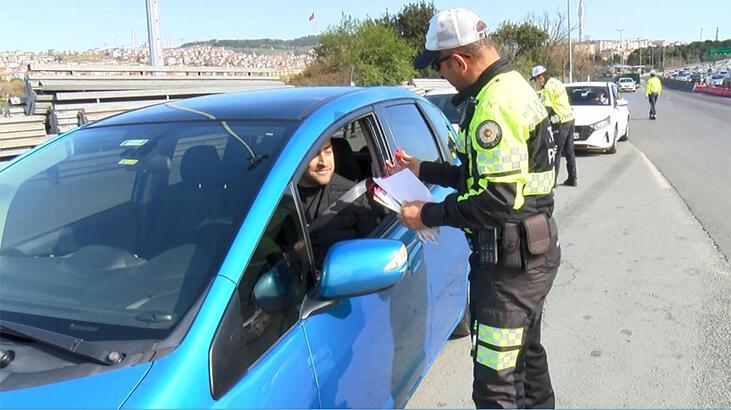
x=601 y=124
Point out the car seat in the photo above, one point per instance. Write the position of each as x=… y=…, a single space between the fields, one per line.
x=346 y=165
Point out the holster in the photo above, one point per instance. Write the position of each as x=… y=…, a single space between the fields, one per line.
x=537 y=234
x=510 y=246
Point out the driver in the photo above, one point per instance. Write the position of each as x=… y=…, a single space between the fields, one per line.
x=319 y=188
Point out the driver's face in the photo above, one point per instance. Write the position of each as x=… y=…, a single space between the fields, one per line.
x=321 y=167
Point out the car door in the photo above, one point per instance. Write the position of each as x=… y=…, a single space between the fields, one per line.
x=620 y=113
x=414 y=129
x=369 y=351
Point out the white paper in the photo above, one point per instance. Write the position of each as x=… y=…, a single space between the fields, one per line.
x=405 y=186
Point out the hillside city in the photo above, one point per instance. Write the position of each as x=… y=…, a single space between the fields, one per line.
x=14 y=64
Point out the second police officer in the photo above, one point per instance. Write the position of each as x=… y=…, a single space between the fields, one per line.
x=553 y=95
x=504 y=203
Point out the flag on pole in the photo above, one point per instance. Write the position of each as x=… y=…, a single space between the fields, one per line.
x=312 y=17
x=581 y=19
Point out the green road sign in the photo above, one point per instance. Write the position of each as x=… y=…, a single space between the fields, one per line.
x=718 y=51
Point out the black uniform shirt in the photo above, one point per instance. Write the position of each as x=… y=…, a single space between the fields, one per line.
x=357 y=220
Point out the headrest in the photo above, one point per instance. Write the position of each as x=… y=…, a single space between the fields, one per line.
x=200 y=165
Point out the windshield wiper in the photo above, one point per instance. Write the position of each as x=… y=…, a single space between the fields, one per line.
x=77 y=346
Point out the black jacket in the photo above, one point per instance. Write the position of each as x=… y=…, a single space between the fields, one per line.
x=357 y=220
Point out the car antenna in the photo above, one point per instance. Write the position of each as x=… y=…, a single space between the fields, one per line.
x=254 y=158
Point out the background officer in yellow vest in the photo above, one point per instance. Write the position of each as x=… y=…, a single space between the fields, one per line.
x=503 y=203
x=553 y=95
x=653 y=89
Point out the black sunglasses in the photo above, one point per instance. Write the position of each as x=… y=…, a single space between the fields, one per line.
x=437 y=64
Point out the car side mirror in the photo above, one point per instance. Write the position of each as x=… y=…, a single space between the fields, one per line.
x=362 y=266
x=276 y=290
x=622 y=103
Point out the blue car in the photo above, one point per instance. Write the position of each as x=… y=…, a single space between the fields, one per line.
x=160 y=259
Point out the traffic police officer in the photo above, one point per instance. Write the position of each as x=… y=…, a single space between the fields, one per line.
x=653 y=89
x=504 y=203
x=554 y=98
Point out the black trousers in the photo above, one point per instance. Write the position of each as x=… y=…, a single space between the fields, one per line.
x=653 y=99
x=565 y=143
x=506 y=304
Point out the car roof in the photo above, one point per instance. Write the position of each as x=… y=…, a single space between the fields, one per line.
x=626 y=78
x=589 y=84
x=287 y=103
x=441 y=91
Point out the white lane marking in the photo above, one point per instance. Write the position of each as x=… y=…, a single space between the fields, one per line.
x=664 y=184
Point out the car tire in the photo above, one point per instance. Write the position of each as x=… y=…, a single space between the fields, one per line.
x=625 y=137
x=463 y=327
x=613 y=148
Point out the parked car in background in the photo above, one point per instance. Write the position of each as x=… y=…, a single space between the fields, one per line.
x=627 y=84
x=601 y=116
x=442 y=98
x=161 y=258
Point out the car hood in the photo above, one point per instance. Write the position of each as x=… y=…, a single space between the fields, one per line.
x=101 y=391
x=588 y=114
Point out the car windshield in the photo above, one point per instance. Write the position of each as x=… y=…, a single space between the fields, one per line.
x=113 y=233
x=626 y=80
x=444 y=103
x=590 y=95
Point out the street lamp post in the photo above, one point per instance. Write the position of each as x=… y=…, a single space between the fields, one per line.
x=621 y=47
x=571 y=63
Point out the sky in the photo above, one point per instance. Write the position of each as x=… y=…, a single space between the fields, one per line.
x=40 y=25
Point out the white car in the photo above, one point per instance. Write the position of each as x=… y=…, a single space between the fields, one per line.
x=442 y=98
x=601 y=118
x=715 y=80
x=627 y=84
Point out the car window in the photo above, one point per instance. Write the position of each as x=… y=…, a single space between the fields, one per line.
x=275 y=281
x=348 y=216
x=444 y=130
x=444 y=103
x=589 y=95
x=353 y=154
x=411 y=132
x=94 y=228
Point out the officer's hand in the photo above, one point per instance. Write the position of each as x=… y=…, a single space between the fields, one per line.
x=403 y=160
x=410 y=215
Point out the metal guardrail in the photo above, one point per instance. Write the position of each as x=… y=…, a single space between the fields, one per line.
x=73 y=69
x=60 y=97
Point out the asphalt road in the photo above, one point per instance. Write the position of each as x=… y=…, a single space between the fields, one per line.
x=640 y=313
x=690 y=143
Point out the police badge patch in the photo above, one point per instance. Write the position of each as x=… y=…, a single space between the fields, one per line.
x=489 y=134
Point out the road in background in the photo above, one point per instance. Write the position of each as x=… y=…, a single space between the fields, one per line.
x=640 y=312
x=690 y=143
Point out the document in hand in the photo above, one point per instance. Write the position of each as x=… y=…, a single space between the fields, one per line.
x=405 y=186
x=402 y=186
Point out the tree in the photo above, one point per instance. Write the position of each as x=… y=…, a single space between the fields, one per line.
x=522 y=44
x=374 y=53
x=412 y=22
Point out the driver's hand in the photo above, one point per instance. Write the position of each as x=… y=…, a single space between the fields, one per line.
x=403 y=160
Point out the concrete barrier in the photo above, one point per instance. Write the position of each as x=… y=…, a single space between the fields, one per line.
x=719 y=91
